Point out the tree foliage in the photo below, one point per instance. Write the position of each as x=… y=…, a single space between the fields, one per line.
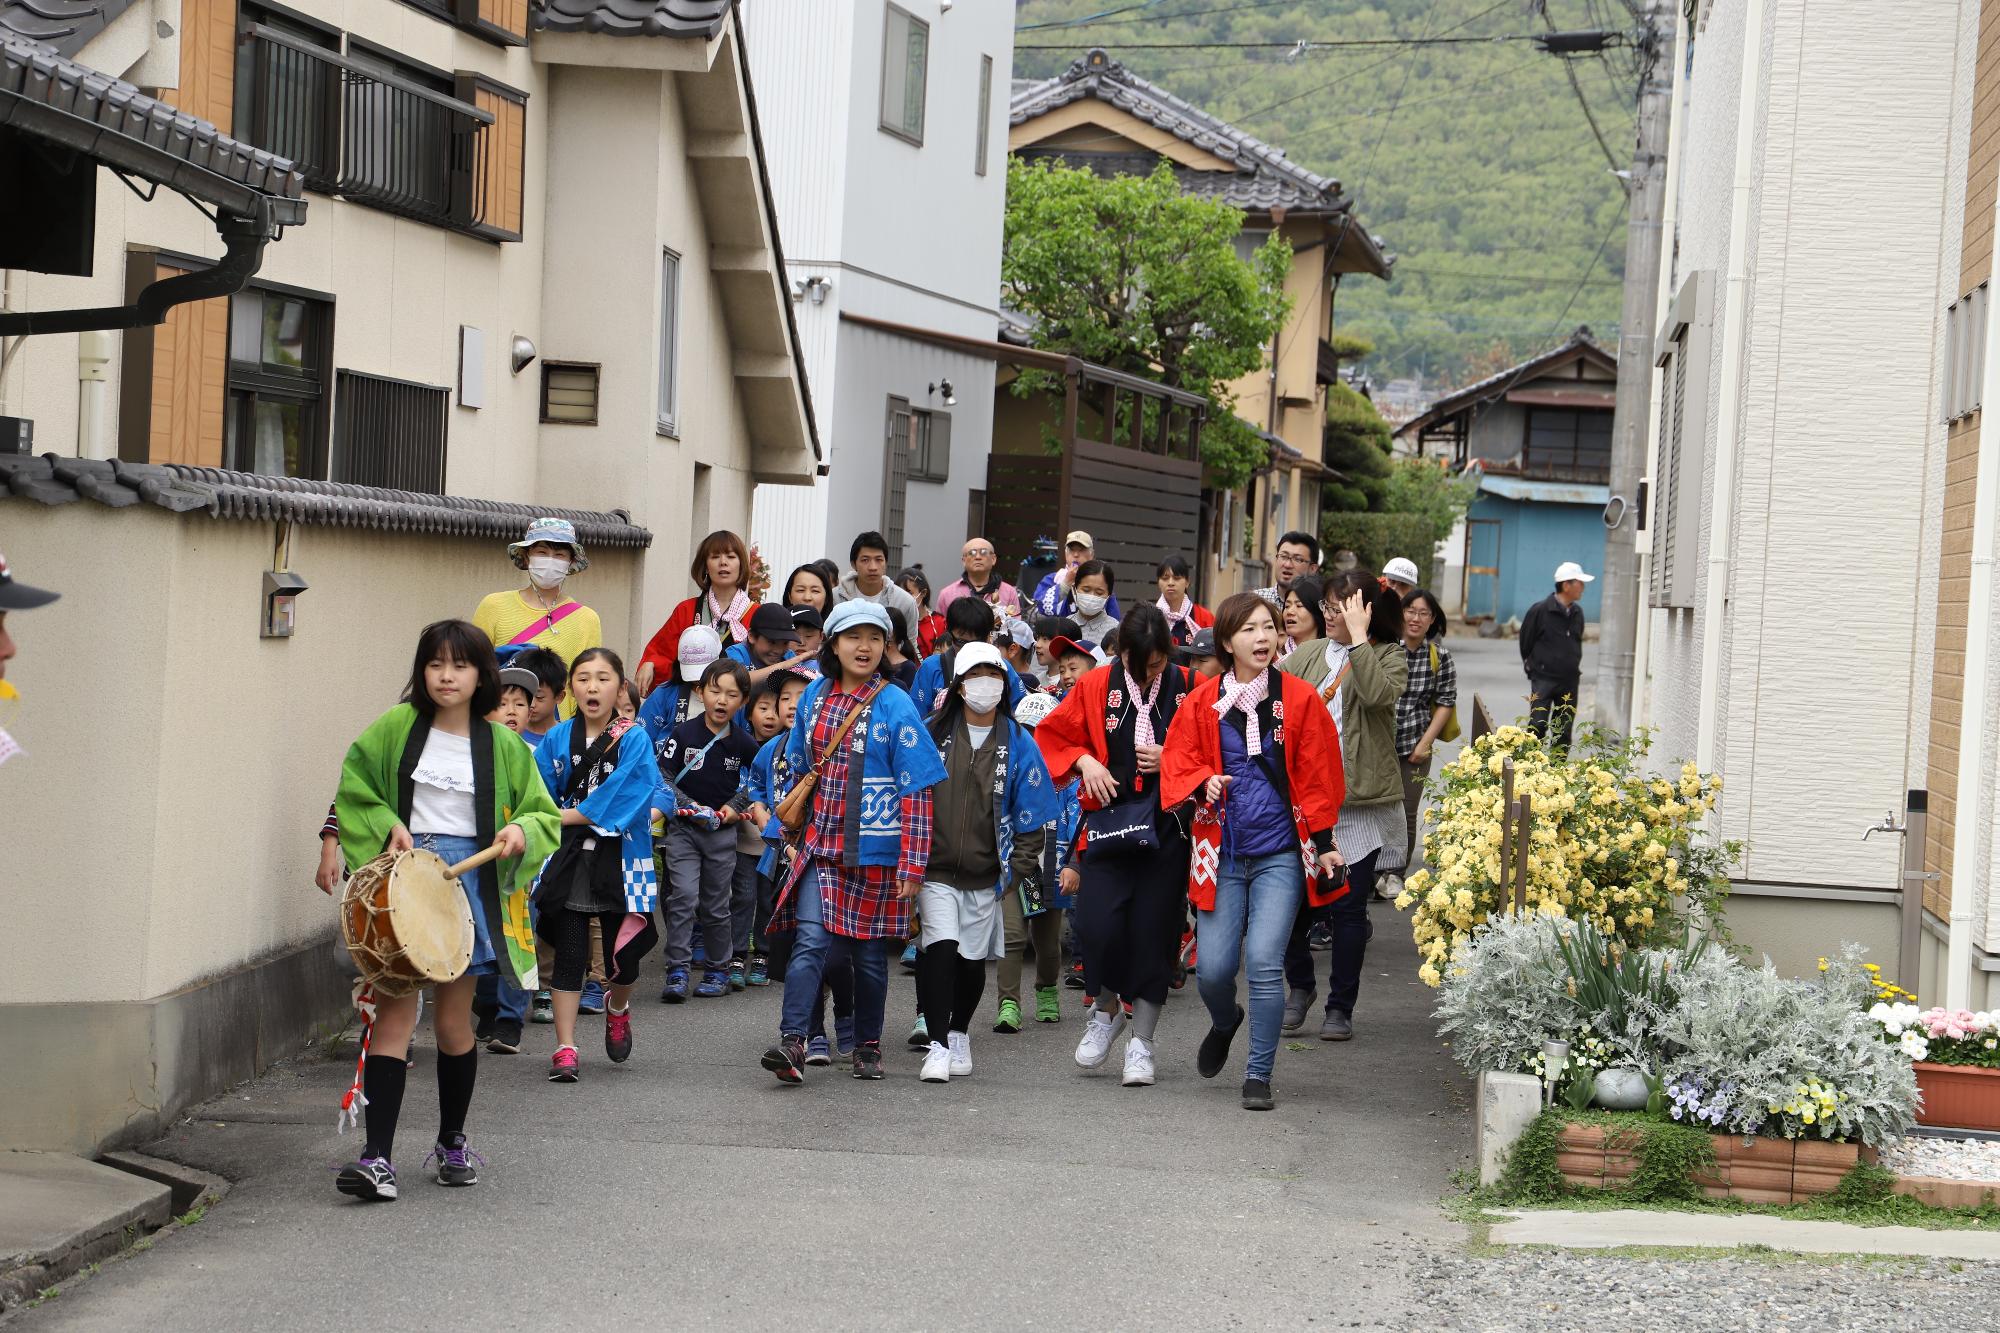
x=1130 y=273
x=1427 y=489
x=1357 y=447
x=1472 y=161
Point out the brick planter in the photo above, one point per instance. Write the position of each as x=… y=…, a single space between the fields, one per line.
x=1761 y=1170
x=1958 y=1096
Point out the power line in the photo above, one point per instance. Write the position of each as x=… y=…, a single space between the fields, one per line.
x=1106 y=22
x=1085 y=22
x=1302 y=45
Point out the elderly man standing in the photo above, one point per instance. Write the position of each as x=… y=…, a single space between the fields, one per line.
x=1552 y=656
x=979 y=580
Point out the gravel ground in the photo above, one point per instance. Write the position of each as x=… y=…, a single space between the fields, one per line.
x=1594 y=1292
x=1945 y=1159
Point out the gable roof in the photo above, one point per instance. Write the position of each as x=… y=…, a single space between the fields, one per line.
x=634 y=18
x=1580 y=347
x=1263 y=179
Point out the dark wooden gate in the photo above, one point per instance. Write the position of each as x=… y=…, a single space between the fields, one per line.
x=1138 y=507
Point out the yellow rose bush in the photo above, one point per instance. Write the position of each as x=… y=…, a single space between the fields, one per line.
x=1610 y=843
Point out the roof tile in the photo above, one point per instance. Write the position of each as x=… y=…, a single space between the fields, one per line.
x=634 y=18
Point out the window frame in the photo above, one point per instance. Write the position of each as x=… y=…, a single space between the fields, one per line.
x=985 y=131
x=667 y=373
x=1572 y=468
x=898 y=129
x=346 y=376
x=596 y=370
x=244 y=384
x=469 y=84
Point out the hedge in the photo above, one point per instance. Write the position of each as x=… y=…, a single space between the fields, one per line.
x=1375 y=538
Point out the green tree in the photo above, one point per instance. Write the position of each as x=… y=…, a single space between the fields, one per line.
x=1130 y=273
x=1357 y=447
x=1426 y=488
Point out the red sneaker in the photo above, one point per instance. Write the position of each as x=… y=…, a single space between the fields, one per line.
x=618 y=1036
x=562 y=1065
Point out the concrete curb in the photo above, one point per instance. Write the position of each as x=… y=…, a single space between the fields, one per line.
x=1617 y=1229
x=188 y=1184
x=60 y=1213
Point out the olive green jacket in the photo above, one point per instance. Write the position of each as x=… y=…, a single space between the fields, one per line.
x=1375 y=678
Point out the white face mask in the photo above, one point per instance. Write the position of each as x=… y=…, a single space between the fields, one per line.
x=983 y=694
x=547 y=571
x=1091 y=604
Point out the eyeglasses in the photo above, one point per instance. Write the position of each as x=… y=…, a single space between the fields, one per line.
x=980 y=550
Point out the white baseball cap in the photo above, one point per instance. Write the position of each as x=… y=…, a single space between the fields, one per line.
x=1402 y=570
x=981 y=654
x=1569 y=569
x=699 y=646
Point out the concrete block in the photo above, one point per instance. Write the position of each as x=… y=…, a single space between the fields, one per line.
x=1507 y=1105
x=189 y=1185
x=59 y=1213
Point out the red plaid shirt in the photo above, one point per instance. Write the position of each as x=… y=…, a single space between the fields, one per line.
x=858 y=902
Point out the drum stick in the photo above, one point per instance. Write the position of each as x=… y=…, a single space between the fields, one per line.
x=474 y=861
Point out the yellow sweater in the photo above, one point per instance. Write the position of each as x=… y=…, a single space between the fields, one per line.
x=503 y=615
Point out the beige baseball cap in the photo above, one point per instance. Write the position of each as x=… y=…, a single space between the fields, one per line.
x=1080 y=538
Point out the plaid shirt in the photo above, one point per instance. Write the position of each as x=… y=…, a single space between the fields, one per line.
x=1427 y=691
x=859 y=902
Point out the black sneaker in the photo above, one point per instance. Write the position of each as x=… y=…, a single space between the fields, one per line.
x=1214 y=1052
x=483 y=1031
x=787 y=1059
x=457 y=1164
x=1339 y=1026
x=370 y=1179
x=868 y=1060
x=505 y=1039
x=1257 y=1095
x=1319 y=938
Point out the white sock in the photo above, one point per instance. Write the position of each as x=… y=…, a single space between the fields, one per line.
x=626 y=1009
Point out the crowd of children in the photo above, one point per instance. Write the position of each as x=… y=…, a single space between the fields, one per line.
x=795 y=790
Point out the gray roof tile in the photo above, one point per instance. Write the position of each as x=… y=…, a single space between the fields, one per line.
x=52 y=479
x=64 y=24
x=634 y=18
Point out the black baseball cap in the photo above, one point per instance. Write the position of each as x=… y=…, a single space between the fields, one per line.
x=17 y=596
x=1202 y=644
x=773 y=622
x=807 y=617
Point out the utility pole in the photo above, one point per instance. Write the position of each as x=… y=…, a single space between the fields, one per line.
x=1646 y=193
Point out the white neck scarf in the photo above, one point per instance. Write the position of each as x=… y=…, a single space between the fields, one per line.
x=732 y=615
x=1142 y=703
x=1245 y=696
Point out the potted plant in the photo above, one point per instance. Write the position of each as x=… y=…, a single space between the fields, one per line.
x=1955 y=1054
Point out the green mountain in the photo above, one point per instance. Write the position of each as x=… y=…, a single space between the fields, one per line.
x=1472 y=160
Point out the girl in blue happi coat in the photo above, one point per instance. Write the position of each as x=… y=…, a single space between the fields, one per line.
x=601 y=771
x=1039 y=916
x=989 y=813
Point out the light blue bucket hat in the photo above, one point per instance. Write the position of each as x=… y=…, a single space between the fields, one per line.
x=559 y=531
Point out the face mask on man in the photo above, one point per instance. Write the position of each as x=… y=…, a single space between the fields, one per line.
x=547 y=571
x=1091 y=604
x=983 y=693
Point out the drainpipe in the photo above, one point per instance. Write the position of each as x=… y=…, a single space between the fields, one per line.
x=1735 y=351
x=1663 y=295
x=1967 y=875
x=93 y=354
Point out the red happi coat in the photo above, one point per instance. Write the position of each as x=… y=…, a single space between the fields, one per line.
x=1300 y=727
x=663 y=649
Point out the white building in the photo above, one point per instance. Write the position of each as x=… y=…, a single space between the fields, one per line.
x=887 y=134
x=1797 y=484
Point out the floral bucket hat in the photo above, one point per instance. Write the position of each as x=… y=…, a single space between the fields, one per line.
x=556 y=531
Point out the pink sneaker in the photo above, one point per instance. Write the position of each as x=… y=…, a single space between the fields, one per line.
x=562 y=1065
x=618 y=1036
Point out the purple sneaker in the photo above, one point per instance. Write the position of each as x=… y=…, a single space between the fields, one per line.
x=456 y=1162
x=370 y=1179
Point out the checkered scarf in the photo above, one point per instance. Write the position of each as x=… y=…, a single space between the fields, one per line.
x=1142 y=704
x=735 y=615
x=1244 y=695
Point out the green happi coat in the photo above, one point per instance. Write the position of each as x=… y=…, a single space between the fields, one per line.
x=374 y=797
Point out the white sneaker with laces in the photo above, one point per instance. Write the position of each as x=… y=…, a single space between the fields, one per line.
x=937 y=1064
x=1389 y=885
x=1138 y=1064
x=1098 y=1034
x=960 y=1046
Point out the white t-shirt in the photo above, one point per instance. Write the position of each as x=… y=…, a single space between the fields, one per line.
x=441 y=797
x=978 y=735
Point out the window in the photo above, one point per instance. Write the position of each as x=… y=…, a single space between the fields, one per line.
x=906 y=45
x=392 y=433
x=1568 y=445
x=1964 y=354
x=569 y=393
x=1682 y=354
x=287 y=90
x=670 y=337
x=273 y=415
x=985 y=113
x=491 y=200
x=930 y=446
x=899 y=442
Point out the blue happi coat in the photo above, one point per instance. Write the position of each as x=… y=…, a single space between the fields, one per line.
x=897 y=760
x=1059 y=840
x=621 y=807
x=769 y=778
x=1027 y=799
x=931 y=685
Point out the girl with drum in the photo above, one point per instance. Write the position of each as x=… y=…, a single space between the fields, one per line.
x=432 y=773
x=600 y=767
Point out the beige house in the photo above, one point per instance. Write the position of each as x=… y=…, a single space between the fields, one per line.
x=1100 y=115
x=529 y=265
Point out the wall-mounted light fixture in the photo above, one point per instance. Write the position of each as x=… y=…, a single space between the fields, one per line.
x=815 y=287
x=944 y=387
x=522 y=352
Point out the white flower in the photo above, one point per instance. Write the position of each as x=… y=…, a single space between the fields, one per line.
x=1915 y=1046
x=1879 y=1012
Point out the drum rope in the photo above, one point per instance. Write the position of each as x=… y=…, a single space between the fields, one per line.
x=355 y=1099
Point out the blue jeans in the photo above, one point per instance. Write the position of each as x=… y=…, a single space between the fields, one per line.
x=1256 y=900
x=813 y=948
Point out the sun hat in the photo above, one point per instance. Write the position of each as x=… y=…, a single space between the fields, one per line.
x=1569 y=569
x=556 y=531
x=853 y=612
x=699 y=646
x=20 y=596
x=977 y=655
x=1033 y=708
x=1402 y=570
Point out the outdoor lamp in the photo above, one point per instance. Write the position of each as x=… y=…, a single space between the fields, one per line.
x=944 y=387
x=1555 y=1057
x=520 y=352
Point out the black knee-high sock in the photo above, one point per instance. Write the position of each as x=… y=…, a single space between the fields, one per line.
x=382 y=1079
x=456 y=1074
x=968 y=984
x=937 y=982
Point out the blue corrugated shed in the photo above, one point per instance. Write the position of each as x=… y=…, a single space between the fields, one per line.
x=1526 y=528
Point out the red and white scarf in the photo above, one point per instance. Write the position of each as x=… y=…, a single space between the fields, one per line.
x=736 y=615
x=1244 y=695
x=1185 y=616
x=1142 y=705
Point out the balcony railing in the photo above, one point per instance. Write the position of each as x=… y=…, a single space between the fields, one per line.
x=365 y=134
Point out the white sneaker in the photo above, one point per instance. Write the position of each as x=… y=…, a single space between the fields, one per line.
x=1138 y=1064
x=937 y=1064
x=1388 y=886
x=1098 y=1034
x=960 y=1046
